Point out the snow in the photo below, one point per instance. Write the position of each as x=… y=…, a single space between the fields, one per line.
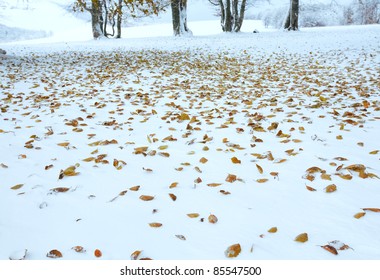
x=67 y=98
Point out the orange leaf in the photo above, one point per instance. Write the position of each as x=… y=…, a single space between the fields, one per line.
x=331 y=188
x=135 y=255
x=203 y=160
x=79 y=249
x=173 y=185
x=311 y=189
x=155 y=225
x=54 y=254
x=98 y=253
x=359 y=215
x=262 y=180
x=235 y=160
x=303 y=237
x=233 y=251
x=146 y=197
x=135 y=188
x=173 y=196
x=260 y=169
x=272 y=230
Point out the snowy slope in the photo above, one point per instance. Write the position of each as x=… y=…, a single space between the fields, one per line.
x=133 y=144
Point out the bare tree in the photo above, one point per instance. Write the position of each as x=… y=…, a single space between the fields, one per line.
x=291 y=22
x=231 y=13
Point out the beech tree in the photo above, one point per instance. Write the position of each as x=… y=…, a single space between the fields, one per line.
x=231 y=13
x=105 y=13
x=291 y=22
x=179 y=17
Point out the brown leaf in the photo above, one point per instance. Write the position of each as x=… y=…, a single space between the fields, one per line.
x=155 y=225
x=310 y=189
x=146 y=197
x=98 y=253
x=235 y=160
x=54 y=254
x=262 y=180
x=325 y=176
x=212 y=219
x=214 y=185
x=203 y=160
x=303 y=237
x=193 y=215
x=260 y=169
x=314 y=169
x=135 y=188
x=16 y=187
x=173 y=196
x=359 y=215
x=231 y=178
x=233 y=251
x=224 y=192
x=331 y=188
x=135 y=255
x=371 y=209
x=330 y=248
x=60 y=190
x=79 y=249
x=345 y=176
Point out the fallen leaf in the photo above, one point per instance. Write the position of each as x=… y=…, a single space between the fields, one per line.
x=16 y=187
x=98 y=253
x=310 y=189
x=135 y=255
x=212 y=219
x=235 y=160
x=54 y=254
x=330 y=248
x=272 y=230
x=371 y=209
x=260 y=169
x=173 y=196
x=231 y=178
x=193 y=215
x=331 y=188
x=180 y=236
x=146 y=197
x=233 y=251
x=79 y=249
x=262 y=180
x=303 y=237
x=203 y=160
x=155 y=225
x=135 y=188
x=60 y=190
x=214 y=185
x=359 y=215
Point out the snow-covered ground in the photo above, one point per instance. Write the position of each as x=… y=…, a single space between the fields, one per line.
x=137 y=144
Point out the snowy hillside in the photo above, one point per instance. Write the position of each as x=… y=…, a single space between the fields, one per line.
x=259 y=146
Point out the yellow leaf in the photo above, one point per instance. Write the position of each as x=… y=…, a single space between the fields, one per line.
x=16 y=187
x=359 y=215
x=155 y=225
x=88 y=159
x=345 y=176
x=235 y=160
x=233 y=251
x=193 y=215
x=325 y=176
x=164 y=147
x=65 y=144
x=260 y=169
x=184 y=117
x=262 y=180
x=272 y=230
x=146 y=197
x=164 y=154
x=303 y=237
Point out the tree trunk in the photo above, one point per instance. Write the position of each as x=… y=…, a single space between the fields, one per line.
x=231 y=15
x=291 y=22
x=96 y=19
x=179 y=17
x=119 y=19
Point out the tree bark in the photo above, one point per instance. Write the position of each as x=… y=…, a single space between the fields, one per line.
x=119 y=19
x=232 y=15
x=179 y=17
x=291 y=22
x=96 y=19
